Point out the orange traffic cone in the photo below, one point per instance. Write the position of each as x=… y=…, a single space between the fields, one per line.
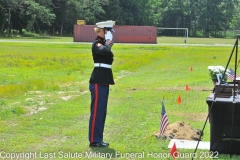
x=187 y=88
x=179 y=100
x=191 y=68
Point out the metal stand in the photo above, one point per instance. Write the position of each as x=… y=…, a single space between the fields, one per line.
x=217 y=91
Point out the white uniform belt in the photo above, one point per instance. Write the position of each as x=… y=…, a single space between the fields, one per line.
x=102 y=65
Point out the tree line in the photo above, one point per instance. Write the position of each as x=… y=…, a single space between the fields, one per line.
x=56 y=17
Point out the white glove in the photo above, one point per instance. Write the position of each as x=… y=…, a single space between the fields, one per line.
x=108 y=35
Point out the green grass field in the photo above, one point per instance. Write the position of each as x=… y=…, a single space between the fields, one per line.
x=160 y=40
x=44 y=97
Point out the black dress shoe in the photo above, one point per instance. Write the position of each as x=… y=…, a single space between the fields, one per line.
x=105 y=143
x=98 y=144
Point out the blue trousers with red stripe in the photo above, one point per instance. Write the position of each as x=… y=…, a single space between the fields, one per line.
x=98 y=110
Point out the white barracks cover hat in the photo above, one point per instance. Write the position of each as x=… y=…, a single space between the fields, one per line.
x=106 y=25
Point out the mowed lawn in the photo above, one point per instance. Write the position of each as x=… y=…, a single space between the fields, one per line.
x=44 y=98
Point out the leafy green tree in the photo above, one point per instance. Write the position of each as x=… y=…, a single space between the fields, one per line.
x=148 y=12
x=229 y=10
x=192 y=10
x=129 y=12
x=112 y=12
x=172 y=15
x=59 y=9
x=72 y=15
x=215 y=16
x=37 y=16
x=9 y=6
x=92 y=10
x=235 y=24
x=209 y=16
x=3 y=16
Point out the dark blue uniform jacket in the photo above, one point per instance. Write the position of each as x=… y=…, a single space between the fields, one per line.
x=102 y=54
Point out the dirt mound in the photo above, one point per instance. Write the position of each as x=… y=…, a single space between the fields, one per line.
x=179 y=130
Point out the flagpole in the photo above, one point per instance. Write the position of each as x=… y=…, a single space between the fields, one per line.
x=234 y=95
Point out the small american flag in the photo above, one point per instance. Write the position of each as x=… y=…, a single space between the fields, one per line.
x=164 y=120
x=231 y=74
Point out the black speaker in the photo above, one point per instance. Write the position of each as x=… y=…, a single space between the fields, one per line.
x=224 y=121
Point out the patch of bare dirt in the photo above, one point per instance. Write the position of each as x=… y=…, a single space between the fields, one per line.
x=124 y=73
x=36 y=110
x=194 y=116
x=195 y=88
x=179 y=130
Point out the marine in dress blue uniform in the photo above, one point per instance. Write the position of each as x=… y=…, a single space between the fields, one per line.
x=100 y=80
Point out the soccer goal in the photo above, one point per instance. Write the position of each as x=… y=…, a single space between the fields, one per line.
x=184 y=29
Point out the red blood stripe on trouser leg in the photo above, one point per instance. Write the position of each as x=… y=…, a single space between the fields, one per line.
x=94 y=112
